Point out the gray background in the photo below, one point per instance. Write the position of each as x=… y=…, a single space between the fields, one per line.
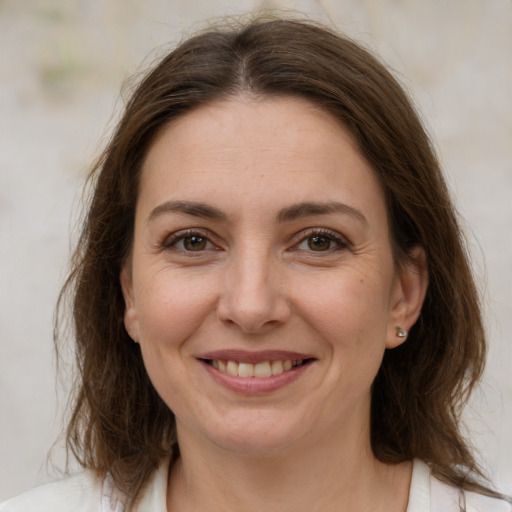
x=61 y=66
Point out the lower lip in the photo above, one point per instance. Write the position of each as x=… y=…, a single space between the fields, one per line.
x=256 y=385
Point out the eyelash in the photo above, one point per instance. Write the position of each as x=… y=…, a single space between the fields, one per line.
x=172 y=241
x=341 y=243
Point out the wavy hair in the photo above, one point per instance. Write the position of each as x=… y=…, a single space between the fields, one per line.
x=118 y=423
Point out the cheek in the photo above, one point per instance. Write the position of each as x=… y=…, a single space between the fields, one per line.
x=170 y=309
x=350 y=314
x=347 y=304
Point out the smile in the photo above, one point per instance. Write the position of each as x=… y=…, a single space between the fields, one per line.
x=263 y=369
x=256 y=373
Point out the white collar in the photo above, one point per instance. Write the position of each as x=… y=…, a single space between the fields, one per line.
x=419 y=492
x=153 y=498
x=154 y=495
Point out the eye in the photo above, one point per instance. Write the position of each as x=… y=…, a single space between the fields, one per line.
x=194 y=243
x=189 y=242
x=321 y=241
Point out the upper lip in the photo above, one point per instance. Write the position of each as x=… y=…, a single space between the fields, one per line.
x=246 y=356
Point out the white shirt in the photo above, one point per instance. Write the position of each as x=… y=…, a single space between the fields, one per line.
x=85 y=493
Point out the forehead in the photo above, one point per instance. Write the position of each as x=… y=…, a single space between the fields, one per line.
x=242 y=150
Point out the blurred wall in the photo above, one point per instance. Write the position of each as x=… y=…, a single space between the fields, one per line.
x=61 y=66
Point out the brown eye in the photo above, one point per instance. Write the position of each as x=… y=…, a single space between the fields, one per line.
x=319 y=243
x=189 y=241
x=195 y=243
x=321 y=240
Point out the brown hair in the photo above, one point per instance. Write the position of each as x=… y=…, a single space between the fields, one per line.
x=119 y=423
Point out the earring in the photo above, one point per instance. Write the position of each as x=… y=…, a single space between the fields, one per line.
x=400 y=332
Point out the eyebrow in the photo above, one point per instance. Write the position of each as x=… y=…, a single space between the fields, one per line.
x=193 y=208
x=307 y=209
x=287 y=214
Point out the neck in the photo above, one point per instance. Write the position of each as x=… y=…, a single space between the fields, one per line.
x=329 y=475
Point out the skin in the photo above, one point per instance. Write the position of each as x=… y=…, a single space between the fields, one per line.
x=258 y=281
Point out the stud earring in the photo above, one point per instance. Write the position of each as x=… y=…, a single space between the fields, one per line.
x=400 y=332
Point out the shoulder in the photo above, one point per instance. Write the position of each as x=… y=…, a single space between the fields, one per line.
x=85 y=492
x=428 y=494
x=479 y=503
x=445 y=497
x=78 y=493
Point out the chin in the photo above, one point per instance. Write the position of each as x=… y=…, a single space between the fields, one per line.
x=253 y=445
x=254 y=436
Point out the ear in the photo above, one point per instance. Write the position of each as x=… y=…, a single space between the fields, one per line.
x=408 y=294
x=130 y=311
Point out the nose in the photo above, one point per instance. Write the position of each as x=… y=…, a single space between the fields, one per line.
x=252 y=297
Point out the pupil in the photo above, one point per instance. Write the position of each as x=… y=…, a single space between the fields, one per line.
x=319 y=243
x=195 y=243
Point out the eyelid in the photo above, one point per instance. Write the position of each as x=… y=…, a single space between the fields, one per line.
x=171 y=240
x=341 y=241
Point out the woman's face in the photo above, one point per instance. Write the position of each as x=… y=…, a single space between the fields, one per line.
x=261 y=286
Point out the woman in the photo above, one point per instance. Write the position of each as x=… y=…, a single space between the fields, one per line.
x=272 y=301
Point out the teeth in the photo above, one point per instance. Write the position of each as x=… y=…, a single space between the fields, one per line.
x=261 y=370
x=232 y=368
x=277 y=367
x=245 y=370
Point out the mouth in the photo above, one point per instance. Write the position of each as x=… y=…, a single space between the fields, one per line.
x=255 y=373
x=262 y=370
